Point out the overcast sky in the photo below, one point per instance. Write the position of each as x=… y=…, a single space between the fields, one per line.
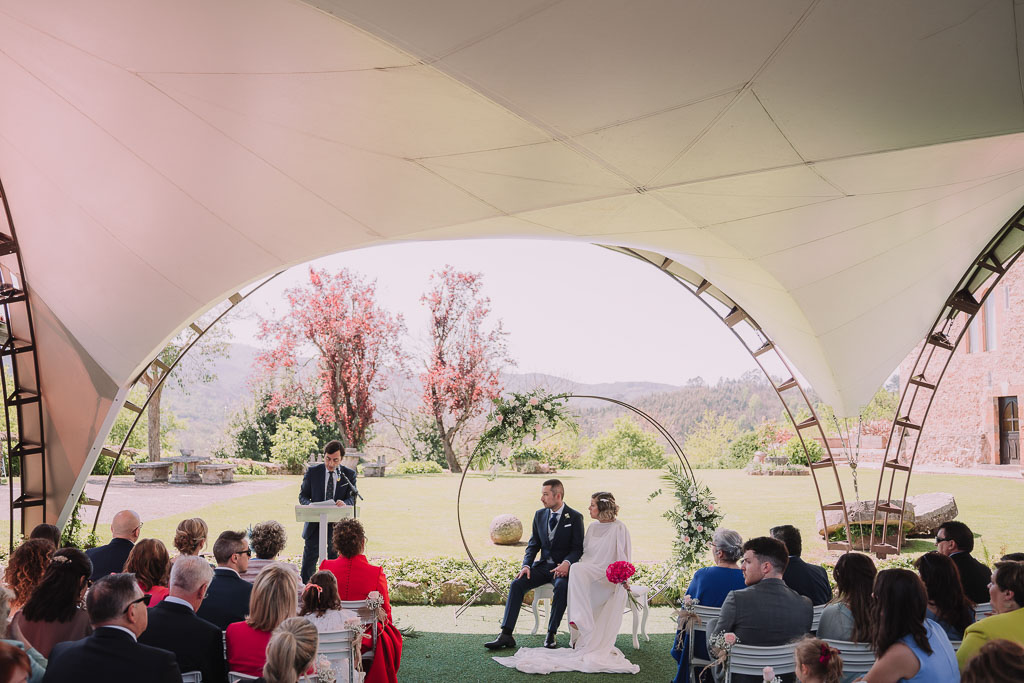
x=571 y=309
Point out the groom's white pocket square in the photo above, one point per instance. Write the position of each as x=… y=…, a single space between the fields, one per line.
x=567 y=525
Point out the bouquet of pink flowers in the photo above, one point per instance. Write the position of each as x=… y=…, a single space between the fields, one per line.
x=619 y=572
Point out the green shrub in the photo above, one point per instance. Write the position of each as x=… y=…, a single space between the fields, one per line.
x=795 y=452
x=253 y=468
x=741 y=450
x=293 y=443
x=103 y=463
x=626 y=446
x=418 y=467
x=531 y=467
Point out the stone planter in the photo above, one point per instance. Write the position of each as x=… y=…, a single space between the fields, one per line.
x=454 y=593
x=407 y=593
x=150 y=472
x=932 y=510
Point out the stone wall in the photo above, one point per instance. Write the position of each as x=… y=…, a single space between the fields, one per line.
x=963 y=427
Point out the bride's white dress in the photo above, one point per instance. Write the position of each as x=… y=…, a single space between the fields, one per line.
x=595 y=610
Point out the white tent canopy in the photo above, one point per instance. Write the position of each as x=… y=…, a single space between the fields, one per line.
x=832 y=166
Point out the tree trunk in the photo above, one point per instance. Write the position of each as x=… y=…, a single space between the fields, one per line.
x=153 y=423
x=449 y=452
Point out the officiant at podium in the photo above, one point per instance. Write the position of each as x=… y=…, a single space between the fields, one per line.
x=329 y=480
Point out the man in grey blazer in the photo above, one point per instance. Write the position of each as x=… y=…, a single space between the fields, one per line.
x=766 y=612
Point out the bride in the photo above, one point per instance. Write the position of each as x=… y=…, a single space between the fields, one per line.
x=595 y=604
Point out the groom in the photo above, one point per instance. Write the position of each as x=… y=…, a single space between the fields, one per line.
x=558 y=537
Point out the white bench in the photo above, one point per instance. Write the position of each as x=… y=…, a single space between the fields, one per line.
x=336 y=646
x=750 y=660
x=368 y=617
x=546 y=593
x=982 y=610
x=816 y=617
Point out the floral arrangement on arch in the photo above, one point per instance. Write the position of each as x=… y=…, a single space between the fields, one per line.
x=695 y=516
x=516 y=417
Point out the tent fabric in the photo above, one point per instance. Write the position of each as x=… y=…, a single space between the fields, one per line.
x=833 y=167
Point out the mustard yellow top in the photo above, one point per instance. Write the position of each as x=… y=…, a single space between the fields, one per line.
x=1009 y=626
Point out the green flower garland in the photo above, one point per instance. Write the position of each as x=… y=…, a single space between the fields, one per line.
x=519 y=416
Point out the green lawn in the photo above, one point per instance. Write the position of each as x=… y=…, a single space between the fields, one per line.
x=415 y=515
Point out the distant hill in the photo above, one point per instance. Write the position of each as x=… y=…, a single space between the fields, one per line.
x=206 y=408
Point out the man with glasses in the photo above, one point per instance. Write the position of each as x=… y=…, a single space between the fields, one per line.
x=328 y=481
x=110 y=558
x=117 y=610
x=956 y=541
x=227 y=599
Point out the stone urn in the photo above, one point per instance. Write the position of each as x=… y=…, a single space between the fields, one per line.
x=506 y=530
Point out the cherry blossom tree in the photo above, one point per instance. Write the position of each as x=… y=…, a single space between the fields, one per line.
x=465 y=360
x=356 y=343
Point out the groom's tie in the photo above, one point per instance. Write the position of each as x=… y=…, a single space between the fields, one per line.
x=552 y=523
x=330 y=486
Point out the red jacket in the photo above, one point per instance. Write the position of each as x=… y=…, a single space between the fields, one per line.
x=357 y=578
x=247 y=648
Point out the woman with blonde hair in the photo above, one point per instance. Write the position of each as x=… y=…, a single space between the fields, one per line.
x=190 y=536
x=291 y=651
x=271 y=602
x=151 y=564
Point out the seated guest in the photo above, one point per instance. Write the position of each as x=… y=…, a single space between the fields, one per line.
x=766 y=612
x=708 y=587
x=112 y=653
x=14 y=664
x=806 y=579
x=52 y=614
x=37 y=663
x=190 y=536
x=817 y=661
x=291 y=651
x=908 y=645
x=227 y=599
x=47 y=531
x=267 y=540
x=272 y=601
x=955 y=540
x=151 y=564
x=321 y=604
x=998 y=661
x=357 y=578
x=948 y=606
x=26 y=566
x=848 y=617
x=197 y=644
x=110 y=558
x=1006 y=593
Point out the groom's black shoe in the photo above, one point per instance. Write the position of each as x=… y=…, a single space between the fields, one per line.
x=501 y=642
x=550 y=642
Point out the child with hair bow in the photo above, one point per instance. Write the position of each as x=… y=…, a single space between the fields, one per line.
x=321 y=604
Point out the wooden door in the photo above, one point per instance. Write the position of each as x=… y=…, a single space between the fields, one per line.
x=1009 y=431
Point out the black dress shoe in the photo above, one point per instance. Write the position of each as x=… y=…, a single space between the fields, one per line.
x=501 y=642
x=550 y=642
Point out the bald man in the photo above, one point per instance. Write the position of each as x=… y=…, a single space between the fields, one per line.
x=110 y=558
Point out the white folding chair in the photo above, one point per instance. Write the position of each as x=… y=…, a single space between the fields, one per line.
x=858 y=658
x=816 y=617
x=192 y=677
x=751 y=660
x=235 y=677
x=640 y=593
x=367 y=617
x=982 y=610
x=706 y=615
x=541 y=594
x=336 y=646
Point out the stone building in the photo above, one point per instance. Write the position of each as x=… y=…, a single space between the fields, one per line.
x=974 y=419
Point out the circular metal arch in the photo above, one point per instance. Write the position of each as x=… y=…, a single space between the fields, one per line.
x=676 y=449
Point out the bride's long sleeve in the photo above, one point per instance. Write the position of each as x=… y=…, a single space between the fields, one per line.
x=625 y=545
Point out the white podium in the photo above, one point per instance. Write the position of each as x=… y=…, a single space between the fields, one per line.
x=319 y=512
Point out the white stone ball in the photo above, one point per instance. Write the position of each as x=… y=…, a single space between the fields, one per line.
x=506 y=530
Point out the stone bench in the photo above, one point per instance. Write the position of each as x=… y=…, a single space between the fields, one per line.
x=216 y=473
x=150 y=472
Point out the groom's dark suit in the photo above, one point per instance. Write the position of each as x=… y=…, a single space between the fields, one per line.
x=314 y=490
x=565 y=543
